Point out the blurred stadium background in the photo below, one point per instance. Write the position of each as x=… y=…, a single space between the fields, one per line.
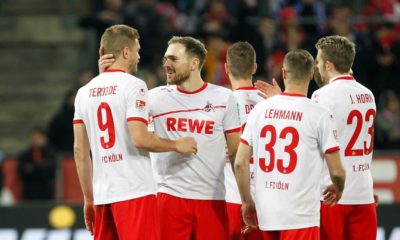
x=49 y=49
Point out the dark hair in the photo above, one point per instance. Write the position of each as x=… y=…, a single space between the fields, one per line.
x=241 y=58
x=298 y=64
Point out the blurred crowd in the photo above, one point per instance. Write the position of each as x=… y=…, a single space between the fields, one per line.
x=273 y=27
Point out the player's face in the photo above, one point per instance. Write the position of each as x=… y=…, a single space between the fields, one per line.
x=317 y=77
x=134 y=57
x=320 y=74
x=176 y=64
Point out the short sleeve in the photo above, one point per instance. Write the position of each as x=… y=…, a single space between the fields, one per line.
x=78 y=117
x=247 y=135
x=327 y=133
x=231 y=121
x=137 y=108
x=322 y=100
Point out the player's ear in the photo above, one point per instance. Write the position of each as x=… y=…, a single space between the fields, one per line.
x=254 y=68
x=329 y=66
x=226 y=67
x=312 y=73
x=283 y=73
x=195 y=64
x=101 y=51
x=125 y=52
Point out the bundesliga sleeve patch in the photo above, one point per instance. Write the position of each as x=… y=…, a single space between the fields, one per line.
x=140 y=105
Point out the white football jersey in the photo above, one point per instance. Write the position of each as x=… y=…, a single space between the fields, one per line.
x=289 y=134
x=120 y=170
x=247 y=98
x=206 y=114
x=354 y=108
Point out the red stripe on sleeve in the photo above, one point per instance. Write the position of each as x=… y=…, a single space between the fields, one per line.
x=334 y=149
x=77 y=121
x=233 y=130
x=137 y=119
x=244 y=142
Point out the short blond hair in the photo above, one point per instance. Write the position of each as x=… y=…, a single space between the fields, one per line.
x=338 y=50
x=117 y=37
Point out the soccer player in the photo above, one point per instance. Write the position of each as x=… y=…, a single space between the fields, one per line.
x=111 y=143
x=191 y=193
x=288 y=135
x=354 y=108
x=240 y=66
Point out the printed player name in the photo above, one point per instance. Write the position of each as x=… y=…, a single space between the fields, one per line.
x=103 y=91
x=283 y=114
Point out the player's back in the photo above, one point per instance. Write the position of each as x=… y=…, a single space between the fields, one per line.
x=289 y=135
x=247 y=98
x=354 y=108
x=105 y=104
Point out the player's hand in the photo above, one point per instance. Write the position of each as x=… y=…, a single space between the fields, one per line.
x=376 y=199
x=268 y=90
x=186 y=145
x=331 y=195
x=88 y=212
x=249 y=217
x=105 y=62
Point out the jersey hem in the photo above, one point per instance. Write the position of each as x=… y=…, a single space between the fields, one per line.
x=288 y=227
x=192 y=197
x=356 y=202
x=120 y=199
x=233 y=201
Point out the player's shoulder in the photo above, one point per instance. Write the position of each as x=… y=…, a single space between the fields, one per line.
x=218 y=92
x=133 y=80
x=218 y=89
x=363 y=87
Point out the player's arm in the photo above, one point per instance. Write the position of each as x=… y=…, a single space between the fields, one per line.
x=143 y=139
x=337 y=174
x=84 y=169
x=232 y=140
x=242 y=174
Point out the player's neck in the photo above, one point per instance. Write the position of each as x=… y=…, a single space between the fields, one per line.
x=120 y=66
x=334 y=74
x=192 y=84
x=296 y=88
x=241 y=83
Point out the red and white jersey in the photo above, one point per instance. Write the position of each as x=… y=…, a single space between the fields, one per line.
x=206 y=114
x=105 y=105
x=247 y=98
x=289 y=134
x=354 y=108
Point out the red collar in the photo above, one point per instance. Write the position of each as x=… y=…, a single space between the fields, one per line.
x=293 y=94
x=343 y=77
x=114 y=70
x=196 y=91
x=246 y=88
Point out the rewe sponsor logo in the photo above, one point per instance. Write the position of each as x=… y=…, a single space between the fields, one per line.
x=190 y=125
